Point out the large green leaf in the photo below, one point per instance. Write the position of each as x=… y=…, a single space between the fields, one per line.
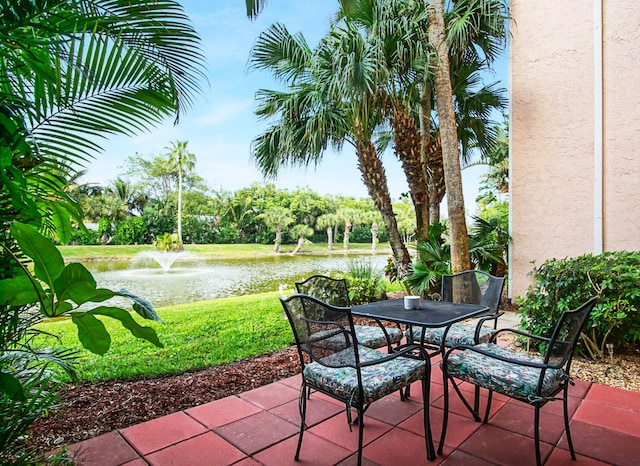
x=11 y=386
x=77 y=284
x=47 y=260
x=92 y=333
x=17 y=291
x=128 y=322
x=140 y=305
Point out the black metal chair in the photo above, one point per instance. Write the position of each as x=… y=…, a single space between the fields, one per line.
x=531 y=379
x=350 y=372
x=473 y=287
x=335 y=292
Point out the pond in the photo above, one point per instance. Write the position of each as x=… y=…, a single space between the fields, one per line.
x=191 y=279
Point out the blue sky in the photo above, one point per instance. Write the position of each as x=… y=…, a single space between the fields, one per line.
x=221 y=126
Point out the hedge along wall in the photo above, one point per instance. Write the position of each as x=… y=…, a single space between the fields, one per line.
x=564 y=284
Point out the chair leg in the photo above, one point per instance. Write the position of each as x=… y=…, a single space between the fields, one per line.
x=428 y=437
x=565 y=405
x=302 y=406
x=360 y=433
x=488 y=410
x=445 y=417
x=536 y=426
x=474 y=413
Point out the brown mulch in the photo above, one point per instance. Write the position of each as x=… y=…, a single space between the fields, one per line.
x=95 y=409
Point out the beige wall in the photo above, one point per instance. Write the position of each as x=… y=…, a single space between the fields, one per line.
x=552 y=132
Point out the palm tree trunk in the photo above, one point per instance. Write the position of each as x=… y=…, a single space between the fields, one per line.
x=330 y=237
x=299 y=245
x=460 y=259
x=180 y=202
x=347 y=234
x=408 y=142
x=276 y=245
x=375 y=180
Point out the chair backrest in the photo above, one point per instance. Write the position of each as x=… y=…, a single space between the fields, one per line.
x=565 y=336
x=322 y=331
x=473 y=287
x=330 y=290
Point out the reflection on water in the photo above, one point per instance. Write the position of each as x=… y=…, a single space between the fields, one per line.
x=197 y=280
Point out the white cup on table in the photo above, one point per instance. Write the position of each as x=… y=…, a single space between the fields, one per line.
x=412 y=302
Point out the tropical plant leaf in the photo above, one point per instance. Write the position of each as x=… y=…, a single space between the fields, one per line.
x=18 y=291
x=77 y=284
x=140 y=305
x=128 y=322
x=47 y=260
x=11 y=387
x=92 y=333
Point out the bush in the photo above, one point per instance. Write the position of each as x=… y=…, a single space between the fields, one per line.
x=365 y=282
x=132 y=230
x=565 y=284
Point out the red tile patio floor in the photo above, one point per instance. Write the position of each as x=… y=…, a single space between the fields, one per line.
x=260 y=427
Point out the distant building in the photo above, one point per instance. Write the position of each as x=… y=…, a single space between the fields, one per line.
x=575 y=131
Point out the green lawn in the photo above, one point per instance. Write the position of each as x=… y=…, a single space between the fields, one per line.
x=208 y=250
x=195 y=336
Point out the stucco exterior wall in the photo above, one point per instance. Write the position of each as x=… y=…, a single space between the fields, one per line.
x=552 y=132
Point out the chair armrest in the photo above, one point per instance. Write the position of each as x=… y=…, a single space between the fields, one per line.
x=518 y=332
x=401 y=351
x=495 y=356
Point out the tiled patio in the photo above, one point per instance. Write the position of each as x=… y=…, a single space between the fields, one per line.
x=261 y=426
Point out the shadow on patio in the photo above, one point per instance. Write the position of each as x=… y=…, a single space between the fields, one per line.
x=261 y=426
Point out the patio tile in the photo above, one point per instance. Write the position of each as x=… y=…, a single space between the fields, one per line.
x=392 y=410
x=602 y=444
x=318 y=410
x=106 y=450
x=220 y=412
x=353 y=461
x=314 y=451
x=294 y=381
x=247 y=462
x=456 y=405
x=396 y=447
x=336 y=430
x=136 y=462
x=162 y=432
x=207 y=449
x=503 y=447
x=519 y=418
x=619 y=397
x=459 y=427
x=270 y=396
x=581 y=388
x=460 y=458
x=609 y=417
x=560 y=457
x=254 y=433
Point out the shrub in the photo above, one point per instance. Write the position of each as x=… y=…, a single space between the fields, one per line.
x=365 y=282
x=132 y=230
x=565 y=284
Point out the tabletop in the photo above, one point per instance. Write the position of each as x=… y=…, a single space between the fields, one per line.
x=430 y=314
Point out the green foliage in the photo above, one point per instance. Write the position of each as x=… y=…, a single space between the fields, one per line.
x=565 y=284
x=169 y=242
x=366 y=283
x=132 y=230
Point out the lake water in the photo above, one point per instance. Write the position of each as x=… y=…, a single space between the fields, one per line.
x=191 y=279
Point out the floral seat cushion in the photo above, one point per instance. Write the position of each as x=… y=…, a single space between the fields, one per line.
x=458 y=334
x=508 y=378
x=367 y=335
x=377 y=381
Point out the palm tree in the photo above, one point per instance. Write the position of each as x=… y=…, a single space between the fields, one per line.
x=277 y=218
x=328 y=221
x=181 y=161
x=314 y=113
x=302 y=232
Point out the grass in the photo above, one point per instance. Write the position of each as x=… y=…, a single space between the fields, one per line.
x=222 y=251
x=195 y=336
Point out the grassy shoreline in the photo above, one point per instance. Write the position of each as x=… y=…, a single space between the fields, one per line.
x=213 y=251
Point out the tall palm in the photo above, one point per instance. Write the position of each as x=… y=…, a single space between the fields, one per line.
x=276 y=218
x=183 y=162
x=328 y=101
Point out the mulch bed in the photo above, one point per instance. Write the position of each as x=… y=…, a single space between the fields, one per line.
x=95 y=409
